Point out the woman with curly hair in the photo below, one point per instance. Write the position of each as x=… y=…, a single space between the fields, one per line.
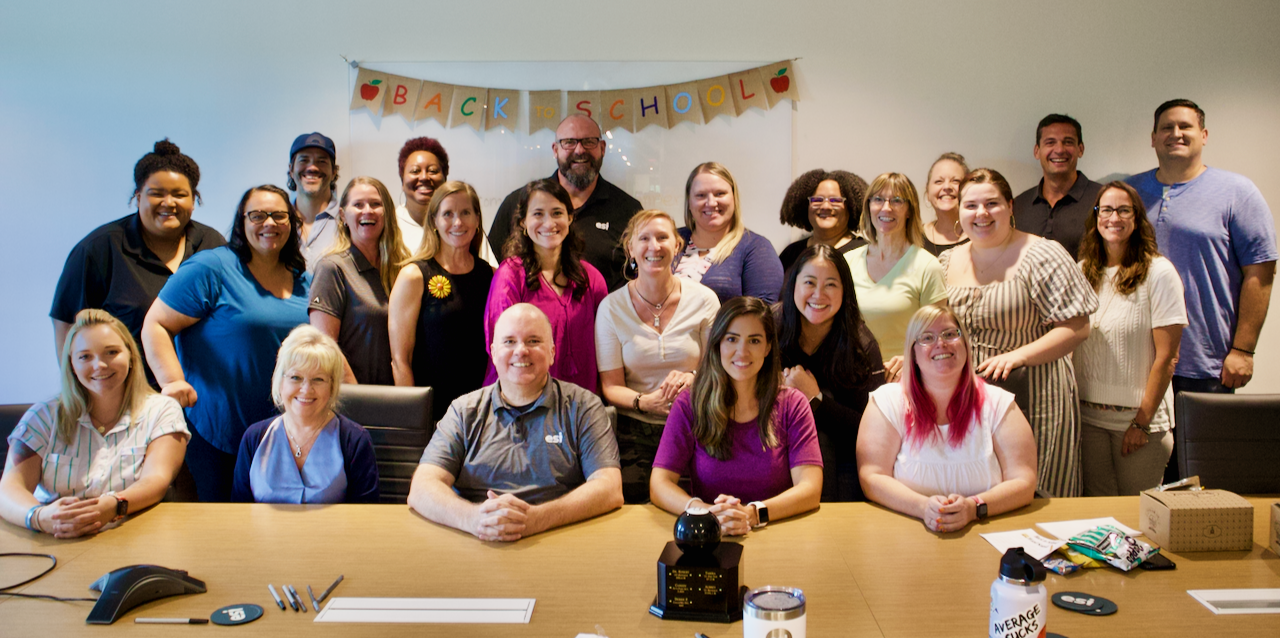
x=827 y=204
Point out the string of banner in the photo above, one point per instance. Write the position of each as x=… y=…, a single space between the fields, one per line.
x=698 y=101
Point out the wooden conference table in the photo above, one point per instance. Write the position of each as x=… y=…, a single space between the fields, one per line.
x=865 y=570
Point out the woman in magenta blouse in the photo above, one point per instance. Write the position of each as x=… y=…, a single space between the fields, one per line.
x=543 y=266
x=747 y=444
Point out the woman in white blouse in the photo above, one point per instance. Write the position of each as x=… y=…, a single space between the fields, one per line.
x=649 y=337
x=1124 y=367
x=941 y=444
x=106 y=446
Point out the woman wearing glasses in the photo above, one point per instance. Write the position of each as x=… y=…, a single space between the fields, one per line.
x=1124 y=367
x=941 y=444
x=827 y=204
x=893 y=276
x=229 y=309
x=720 y=253
x=1025 y=304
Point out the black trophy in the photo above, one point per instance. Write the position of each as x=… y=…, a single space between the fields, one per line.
x=698 y=577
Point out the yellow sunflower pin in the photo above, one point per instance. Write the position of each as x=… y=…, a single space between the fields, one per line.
x=439 y=287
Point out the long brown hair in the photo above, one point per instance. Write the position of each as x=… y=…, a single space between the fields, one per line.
x=713 y=393
x=520 y=245
x=1136 y=262
x=391 y=251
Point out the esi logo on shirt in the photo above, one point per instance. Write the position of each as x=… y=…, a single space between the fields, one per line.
x=602 y=225
x=555 y=439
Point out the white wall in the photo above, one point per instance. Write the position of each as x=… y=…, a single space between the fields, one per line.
x=86 y=87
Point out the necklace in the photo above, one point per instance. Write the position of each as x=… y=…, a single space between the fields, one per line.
x=982 y=271
x=657 y=307
x=297 y=447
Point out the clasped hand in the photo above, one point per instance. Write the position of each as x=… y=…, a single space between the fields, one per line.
x=659 y=401
x=735 y=518
x=72 y=517
x=503 y=517
x=949 y=513
x=801 y=379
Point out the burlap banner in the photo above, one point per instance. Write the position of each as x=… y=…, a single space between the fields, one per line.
x=696 y=102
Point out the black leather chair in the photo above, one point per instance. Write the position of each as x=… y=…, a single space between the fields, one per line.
x=1019 y=383
x=9 y=417
x=1232 y=441
x=399 y=421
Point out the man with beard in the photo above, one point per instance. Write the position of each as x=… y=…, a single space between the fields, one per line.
x=601 y=210
x=313 y=174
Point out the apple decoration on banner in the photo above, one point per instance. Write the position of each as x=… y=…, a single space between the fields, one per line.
x=370 y=91
x=777 y=79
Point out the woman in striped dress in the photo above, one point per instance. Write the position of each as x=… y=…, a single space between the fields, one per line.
x=1024 y=303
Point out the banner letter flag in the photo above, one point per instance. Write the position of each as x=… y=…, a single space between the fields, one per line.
x=544 y=110
x=370 y=91
x=716 y=98
x=434 y=101
x=402 y=96
x=584 y=103
x=504 y=109
x=652 y=107
x=747 y=91
x=684 y=104
x=616 y=111
x=467 y=107
x=779 y=82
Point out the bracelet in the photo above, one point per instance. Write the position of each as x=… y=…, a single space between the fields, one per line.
x=686 y=505
x=30 y=513
x=1248 y=352
x=635 y=404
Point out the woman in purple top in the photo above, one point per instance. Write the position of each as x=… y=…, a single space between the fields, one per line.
x=543 y=266
x=747 y=444
x=720 y=253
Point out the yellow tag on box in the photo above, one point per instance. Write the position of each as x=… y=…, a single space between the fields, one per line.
x=1197 y=521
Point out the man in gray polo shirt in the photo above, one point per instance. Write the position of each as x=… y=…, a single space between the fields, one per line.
x=1059 y=206
x=524 y=455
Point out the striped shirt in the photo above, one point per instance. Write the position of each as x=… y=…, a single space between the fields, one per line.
x=92 y=464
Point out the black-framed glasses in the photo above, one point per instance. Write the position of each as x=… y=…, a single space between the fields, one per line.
x=834 y=201
x=587 y=142
x=260 y=216
x=950 y=335
x=1125 y=212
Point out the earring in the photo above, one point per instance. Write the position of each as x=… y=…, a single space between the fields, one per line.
x=957 y=229
x=1013 y=223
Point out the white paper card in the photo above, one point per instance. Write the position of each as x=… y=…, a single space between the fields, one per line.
x=1239 y=601
x=1066 y=529
x=1035 y=545
x=428 y=610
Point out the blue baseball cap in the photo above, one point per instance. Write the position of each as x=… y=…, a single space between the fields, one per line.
x=314 y=140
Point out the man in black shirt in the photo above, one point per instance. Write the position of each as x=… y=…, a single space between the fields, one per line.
x=601 y=210
x=1058 y=208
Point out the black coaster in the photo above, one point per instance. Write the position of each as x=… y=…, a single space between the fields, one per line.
x=1087 y=604
x=236 y=614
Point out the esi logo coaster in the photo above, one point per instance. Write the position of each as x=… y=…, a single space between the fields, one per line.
x=236 y=614
x=1087 y=604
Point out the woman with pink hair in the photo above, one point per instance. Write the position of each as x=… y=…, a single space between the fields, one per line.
x=941 y=444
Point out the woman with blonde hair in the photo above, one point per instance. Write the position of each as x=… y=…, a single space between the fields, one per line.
x=308 y=454
x=747 y=443
x=107 y=446
x=942 y=191
x=649 y=337
x=352 y=282
x=892 y=275
x=720 y=253
x=941 y=444
x=437 y=305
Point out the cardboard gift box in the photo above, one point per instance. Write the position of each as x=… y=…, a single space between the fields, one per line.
x=1197 y=520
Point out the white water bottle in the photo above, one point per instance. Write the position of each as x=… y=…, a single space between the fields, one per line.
x=1019 y=601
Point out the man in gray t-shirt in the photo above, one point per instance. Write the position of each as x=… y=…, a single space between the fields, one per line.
x=524 y=455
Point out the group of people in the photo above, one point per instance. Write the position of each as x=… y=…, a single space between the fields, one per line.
x=947 y=370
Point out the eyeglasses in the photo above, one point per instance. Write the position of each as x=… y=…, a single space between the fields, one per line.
x=895 y=201
x=834 y=201
x=950 y=335
x=1125 y=212
x=260 y=216
x=587 y=142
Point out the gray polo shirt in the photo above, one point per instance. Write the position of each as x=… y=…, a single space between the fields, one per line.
x=347 y=286
x=323 y=232
x=537 y=454
x=1063 y=222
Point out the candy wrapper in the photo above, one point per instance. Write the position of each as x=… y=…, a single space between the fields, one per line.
x=1109 y=544
x=1059 y=566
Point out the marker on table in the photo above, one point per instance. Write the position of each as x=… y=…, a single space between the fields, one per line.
x=272 y=588
x=330 y=589
x=315 y=604
x=289 y=597
x=297 y=597
x=171 y=621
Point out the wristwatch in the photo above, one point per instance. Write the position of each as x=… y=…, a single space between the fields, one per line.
x=981 y=507
x=1145 y=428
x=762 y=513
x=122 y=506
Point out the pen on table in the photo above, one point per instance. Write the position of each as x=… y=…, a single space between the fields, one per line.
x=298 y=597
x=330 y=589
x=271 y=588
x=171 y=621
x=315 y=604
x=289 y=597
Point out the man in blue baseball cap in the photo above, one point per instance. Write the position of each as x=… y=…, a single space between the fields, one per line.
x=313 y=174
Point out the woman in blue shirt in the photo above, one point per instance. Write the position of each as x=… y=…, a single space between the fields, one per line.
x=228 y=310
x=308 y=454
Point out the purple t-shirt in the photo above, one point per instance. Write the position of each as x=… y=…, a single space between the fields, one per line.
x=752 y=472
x=1209 y=227
x=573 y=321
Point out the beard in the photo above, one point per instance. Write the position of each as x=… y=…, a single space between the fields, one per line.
x=580 y=176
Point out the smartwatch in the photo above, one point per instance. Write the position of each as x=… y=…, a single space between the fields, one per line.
x=122 y=506
x=762 y=513
x=981 y=507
